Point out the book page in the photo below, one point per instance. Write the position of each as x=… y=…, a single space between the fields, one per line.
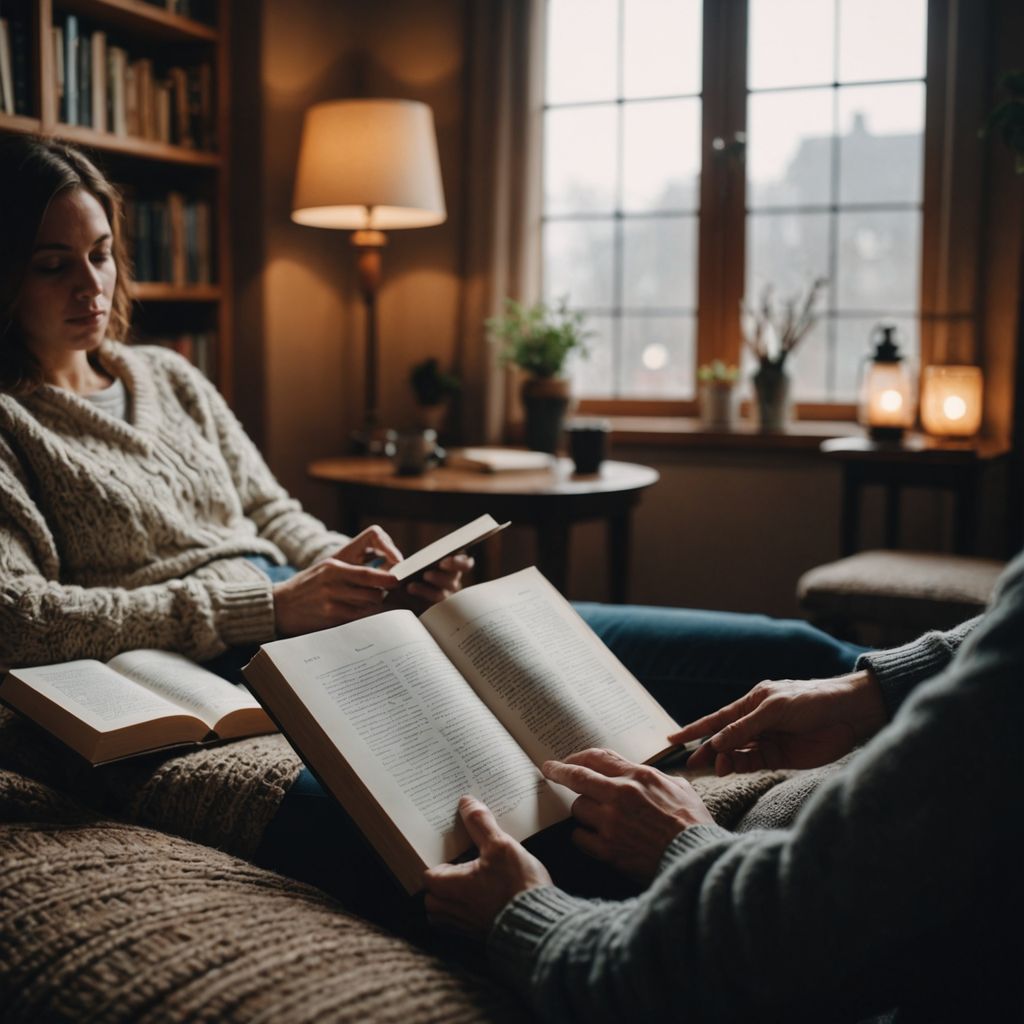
x=544 y=673
x=99 y=696
x=413 y=730
x=186 y=684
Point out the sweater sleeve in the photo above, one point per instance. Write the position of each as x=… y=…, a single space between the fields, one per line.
x=44 y=621
x=894 y=865
x=900 y=669
x=278 y=517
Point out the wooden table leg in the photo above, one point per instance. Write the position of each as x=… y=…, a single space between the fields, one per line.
x=892 y=515
x=849 y=523
x=349 y=514
x=618 y=557
x=553 y=552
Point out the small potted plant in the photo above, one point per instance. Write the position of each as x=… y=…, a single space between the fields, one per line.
x=772 y=334
x=717 y=395
x=434 y=389
x=538 y=339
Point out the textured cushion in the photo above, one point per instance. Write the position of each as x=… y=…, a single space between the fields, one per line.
x=911 y=588
x=109 y=922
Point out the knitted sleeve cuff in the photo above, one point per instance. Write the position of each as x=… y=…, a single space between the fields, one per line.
x=900 y=669
x=694 y=838
x=244 y=612
x=521 y=929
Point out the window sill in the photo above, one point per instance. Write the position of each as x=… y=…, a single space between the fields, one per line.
x=688 y=432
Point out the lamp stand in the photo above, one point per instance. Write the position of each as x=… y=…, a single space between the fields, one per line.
x=371 y=438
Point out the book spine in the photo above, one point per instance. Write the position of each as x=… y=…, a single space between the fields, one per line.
x=131 y=99
x=70 y=107
x=176 y=217
x=117 y=65
x=20 y=39
x=85 y=79
x=6 y=73
x=58 y=70
x=99 y=81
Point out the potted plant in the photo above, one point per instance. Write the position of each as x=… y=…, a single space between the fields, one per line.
x=433 y=389
x=538 y=339
x=716 y=395
x=772 y=334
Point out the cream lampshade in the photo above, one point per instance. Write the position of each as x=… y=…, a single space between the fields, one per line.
x=369 y=166
x=951 y=400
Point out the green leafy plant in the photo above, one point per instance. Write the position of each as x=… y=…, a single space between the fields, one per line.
x=431 y=384
x=717 y=372
x=538 y=338
x=1008 y=118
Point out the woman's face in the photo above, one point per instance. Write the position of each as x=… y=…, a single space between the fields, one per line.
x=65 y=300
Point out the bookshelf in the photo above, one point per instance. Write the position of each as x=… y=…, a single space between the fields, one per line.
x=169 y=100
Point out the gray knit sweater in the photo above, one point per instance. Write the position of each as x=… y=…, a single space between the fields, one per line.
x=898 y=885
x=117 y=534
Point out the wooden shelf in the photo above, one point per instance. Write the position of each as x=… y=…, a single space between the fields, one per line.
x=141 y=19
x=17 y=123
x=161 y=291
x=129 y=145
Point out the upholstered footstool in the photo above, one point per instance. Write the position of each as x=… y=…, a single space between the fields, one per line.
x=896 y=595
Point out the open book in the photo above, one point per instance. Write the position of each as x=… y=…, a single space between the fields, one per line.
x=399 y=716
x=138 y=702
x=499 y=460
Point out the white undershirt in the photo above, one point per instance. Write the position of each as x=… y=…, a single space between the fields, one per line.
x=112 y=400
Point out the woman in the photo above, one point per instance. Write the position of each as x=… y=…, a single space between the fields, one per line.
x=136 y=511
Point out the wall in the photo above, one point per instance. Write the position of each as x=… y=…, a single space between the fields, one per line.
x=719 y=530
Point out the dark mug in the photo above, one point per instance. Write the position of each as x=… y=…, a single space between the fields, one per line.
x=416 y=451
x=588 y=444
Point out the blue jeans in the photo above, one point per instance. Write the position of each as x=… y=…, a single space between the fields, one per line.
x=691 y=661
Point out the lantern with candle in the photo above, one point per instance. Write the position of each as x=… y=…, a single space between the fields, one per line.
x=887 y=391
x=951 y=400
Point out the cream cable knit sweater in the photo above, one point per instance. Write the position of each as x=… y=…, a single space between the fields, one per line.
x=123 y=534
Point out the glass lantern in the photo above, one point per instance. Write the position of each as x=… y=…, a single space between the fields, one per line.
x=887 y=405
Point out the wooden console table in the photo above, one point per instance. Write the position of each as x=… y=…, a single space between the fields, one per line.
x=548 y=500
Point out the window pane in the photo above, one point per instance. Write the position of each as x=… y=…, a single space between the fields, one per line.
x=582 y=50
x=880 y=39
x=879 y=259
x=660 y=262
x=592 y=375
x=661 y=155
x=809 y=363
x=853 y=344
x=578 y=262
x=787 y=251
x=789 y=148
x=662 y=47
x=658 y=356
x=579 y=160
x=882 y=143
x=791 y=42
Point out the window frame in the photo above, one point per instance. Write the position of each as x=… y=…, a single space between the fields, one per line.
x=947 y=313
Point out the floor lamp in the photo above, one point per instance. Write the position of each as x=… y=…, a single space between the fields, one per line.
x=369 y=166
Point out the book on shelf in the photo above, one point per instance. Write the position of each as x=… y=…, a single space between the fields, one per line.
x=198 y=347
x=169 y=238
x=136 y=703
x=6 y=69
x=69 y=102
x=399 y=716
x=99 y=65
x=499 y=460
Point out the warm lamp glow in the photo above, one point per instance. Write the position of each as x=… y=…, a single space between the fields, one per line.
x=890 y=401
x=368 y=164
x=951 y=400
x=887 y=403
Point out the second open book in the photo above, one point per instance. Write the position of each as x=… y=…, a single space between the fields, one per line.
x=399 y=716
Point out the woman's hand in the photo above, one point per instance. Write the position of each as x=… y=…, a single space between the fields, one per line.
x=437 y=584
x=468 y=897
x=788 y=724
x=629 y=812
x=338 y=589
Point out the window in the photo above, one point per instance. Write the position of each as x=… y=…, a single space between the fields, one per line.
x=834 y=128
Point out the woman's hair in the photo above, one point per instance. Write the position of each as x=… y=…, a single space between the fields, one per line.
x=34 y=171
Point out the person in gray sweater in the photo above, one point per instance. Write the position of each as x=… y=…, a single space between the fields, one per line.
x=896 y=890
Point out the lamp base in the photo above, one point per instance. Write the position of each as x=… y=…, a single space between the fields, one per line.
x=373 y=441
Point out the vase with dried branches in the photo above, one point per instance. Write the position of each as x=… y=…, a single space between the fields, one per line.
x=772 y=331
